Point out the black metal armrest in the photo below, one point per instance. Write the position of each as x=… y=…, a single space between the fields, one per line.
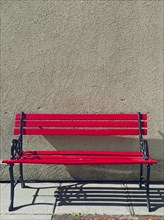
x=15 y=149
x=144 y=149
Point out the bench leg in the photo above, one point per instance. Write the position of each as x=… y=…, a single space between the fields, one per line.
x=12 y=182
x=21 y=176
x=147 y=187
x=141 y=176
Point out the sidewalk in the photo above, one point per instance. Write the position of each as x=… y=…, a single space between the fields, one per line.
x=45 y=201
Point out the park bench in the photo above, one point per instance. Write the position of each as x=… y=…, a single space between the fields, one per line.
x=79 y=124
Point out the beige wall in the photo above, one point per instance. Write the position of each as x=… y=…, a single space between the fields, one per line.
x=82 y=57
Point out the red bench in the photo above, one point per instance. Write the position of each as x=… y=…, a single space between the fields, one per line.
x=79 y=124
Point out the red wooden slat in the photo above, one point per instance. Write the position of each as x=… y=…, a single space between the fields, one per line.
x=82 y=116
x=79 y=124
x=79 y=157
x=97 y=132
x=80 y=161
x=79 y=152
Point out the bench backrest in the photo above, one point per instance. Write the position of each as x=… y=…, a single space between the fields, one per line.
x=81 y=124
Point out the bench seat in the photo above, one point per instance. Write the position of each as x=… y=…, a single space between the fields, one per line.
x=81 y=157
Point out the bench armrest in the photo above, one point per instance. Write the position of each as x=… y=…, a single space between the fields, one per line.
x=15 y=149
x=144 y=149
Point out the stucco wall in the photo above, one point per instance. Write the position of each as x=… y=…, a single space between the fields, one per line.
x=82 y=57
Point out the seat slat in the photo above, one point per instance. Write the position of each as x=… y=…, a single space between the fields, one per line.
x=96 y=132
x=79 y=124
x=82 y=116
x=79 y=157
x=81 y=161
x=78 y=152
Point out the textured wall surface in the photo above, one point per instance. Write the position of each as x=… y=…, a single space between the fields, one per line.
x=82 y=57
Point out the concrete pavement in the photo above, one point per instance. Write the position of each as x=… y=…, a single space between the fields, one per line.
x=44 y=201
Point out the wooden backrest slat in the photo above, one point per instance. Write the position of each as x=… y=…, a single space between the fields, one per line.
x=80 y=124
x=82 y=117
x=96 y=132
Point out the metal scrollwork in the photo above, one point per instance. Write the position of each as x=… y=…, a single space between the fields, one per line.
x=15 y=149
x=144 y=150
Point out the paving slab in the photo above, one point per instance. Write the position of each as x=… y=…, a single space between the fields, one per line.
x=25 y=217
x=109 y=199
x=92 y=198
x=137 y=198
x=35 y=200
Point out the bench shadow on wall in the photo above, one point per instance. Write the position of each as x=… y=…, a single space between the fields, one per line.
x=105 y=143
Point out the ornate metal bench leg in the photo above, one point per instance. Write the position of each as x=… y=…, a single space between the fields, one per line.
x=141 y=176
x=21 y=175
x=11 y=186
x=147 y=187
